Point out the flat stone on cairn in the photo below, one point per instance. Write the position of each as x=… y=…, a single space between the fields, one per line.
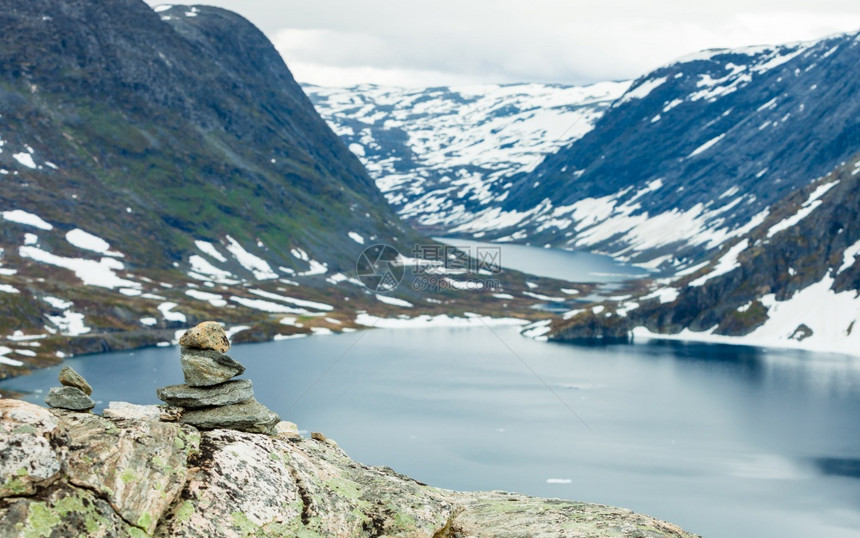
x=249 y=416
x=209 y=398
x=70 y=378
x=74 y=395
x=204 y=368
x=229 y=393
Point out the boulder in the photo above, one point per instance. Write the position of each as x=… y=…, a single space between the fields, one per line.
x=287 y=430
x=229 y=393
x=138 y=466
x=204 y=368
x=27 y=454
x=71 y=398
x=70 y=378
x=249 y=416
x=207 y=335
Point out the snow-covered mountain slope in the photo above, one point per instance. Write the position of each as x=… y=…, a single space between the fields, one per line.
x=792 y=281
x=441 y=155
x=162 y=167
x=694 y=154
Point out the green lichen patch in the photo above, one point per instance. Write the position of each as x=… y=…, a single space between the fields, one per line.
x=41 y=520
x=184 y=512
x=346 y=488
x=128 y=476
x=16 y=486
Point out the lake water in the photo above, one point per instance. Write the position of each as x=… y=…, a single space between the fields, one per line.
x=574 y=266
x=725 y=441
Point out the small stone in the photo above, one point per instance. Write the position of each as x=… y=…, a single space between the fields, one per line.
x=229 y=393
x=71 y=398
x=250 y=416
x=70 y=378
x=287 y=430
x=131 y=411
x=204 y=368
x=317 y=436
x=207 y=335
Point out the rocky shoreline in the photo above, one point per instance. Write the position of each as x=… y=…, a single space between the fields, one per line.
x=147 y=470
x=130 y=473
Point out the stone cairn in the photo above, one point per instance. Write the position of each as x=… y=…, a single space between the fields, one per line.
x=210 y=398
x=74 y=394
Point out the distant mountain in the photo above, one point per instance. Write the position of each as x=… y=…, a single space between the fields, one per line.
x=791 y=281
x=165 y=128
x=162 y=167
x=443 y=155
x=694 y=154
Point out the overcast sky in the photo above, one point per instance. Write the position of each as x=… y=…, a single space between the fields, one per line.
x=446 y=42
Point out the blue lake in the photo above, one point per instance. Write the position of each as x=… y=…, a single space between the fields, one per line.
x=573 y=266
x=725 y=441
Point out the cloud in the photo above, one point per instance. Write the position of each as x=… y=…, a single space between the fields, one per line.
x=444 y=42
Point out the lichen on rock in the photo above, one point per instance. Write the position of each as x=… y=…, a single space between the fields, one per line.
x=95 y=476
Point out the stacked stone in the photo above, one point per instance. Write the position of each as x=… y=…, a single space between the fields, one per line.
x=74 y=394
x=210 y=397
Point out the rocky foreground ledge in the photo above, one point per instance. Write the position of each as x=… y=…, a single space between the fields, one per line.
x=66 y=473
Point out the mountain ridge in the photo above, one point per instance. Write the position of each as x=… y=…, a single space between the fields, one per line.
x=793 y=281
x=442 y=154
x=692 y=155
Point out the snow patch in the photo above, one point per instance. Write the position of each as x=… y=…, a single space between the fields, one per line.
x=91 y=273
x=22 y=217
x=212 y=298
x=6 y=288
x=6 y=360
x=808 y=207
x=394 y=301
x=642 y=90
x=87 y=241
x=849 y=257
x=256 y=265
x=441 y=320
x=203 y=270
x=833 y=319
x=706 y=146
x=728 y=262
x=167 y=312
x=209 y=249
x=25 y=159
x=293 y=300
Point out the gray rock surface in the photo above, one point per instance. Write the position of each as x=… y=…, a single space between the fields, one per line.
x=138 y=466
x=249 y=416
x=229 y=393
x=204 y=368
x=28 y=457
x=207 y=335
x=71 y=398
x=91 y=476
x=70 y=378
x=127 y=410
